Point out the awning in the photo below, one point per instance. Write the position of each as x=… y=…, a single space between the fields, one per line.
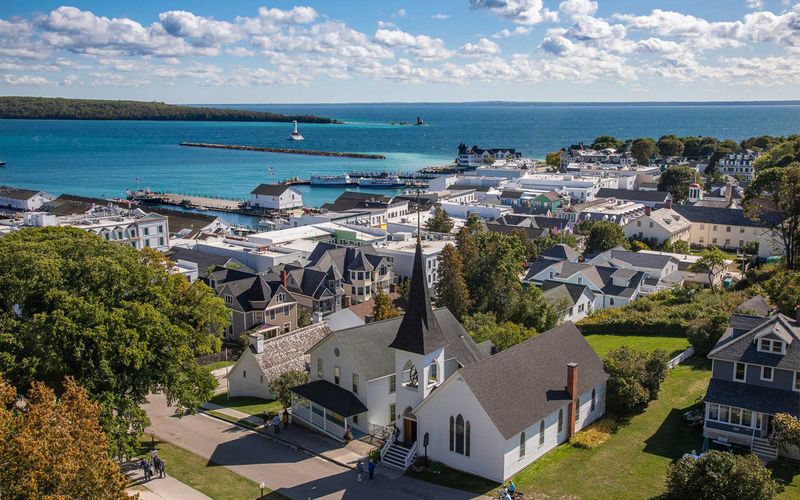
x=331 y=397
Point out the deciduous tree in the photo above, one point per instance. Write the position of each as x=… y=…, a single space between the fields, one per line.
x=74 y=304
x=282 y=386
x=676 y=180
x=608 y=141
x=670 y=145
x=451 y=288
x=553 y=159
x=712 y=262
x=382 y=307
x=605 y=235
x=717 y=475
x=484 y=326
x=53 y=447
x=635 y=378
x=642 y=149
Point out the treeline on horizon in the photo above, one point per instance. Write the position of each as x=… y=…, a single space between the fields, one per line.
x=57 y=108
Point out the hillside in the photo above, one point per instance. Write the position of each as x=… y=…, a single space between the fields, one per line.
x=44 y=108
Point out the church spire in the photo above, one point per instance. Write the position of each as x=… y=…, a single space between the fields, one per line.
x=419 y=331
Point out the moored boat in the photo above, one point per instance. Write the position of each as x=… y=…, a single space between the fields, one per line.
x=391 y=181
x=331 y=180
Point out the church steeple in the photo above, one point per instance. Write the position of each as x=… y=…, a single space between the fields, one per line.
x=419 y=331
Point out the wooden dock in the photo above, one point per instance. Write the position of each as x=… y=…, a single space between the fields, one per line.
x=264 y=149
x=190 y=201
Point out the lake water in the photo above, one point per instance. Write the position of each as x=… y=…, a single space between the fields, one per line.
x=97 y=158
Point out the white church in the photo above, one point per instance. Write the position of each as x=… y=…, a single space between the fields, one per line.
x=489 y=415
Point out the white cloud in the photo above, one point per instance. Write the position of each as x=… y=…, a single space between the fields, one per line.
x=440 y=16
x=399 y=13
x=483 y=47
x=754 y=4
x=421 y=46
x=575 y=8
x=25 y=80
x=506 y=33
x=201 y=31
x=524 y=12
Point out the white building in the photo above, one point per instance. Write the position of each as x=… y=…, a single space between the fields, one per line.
x=728 y=228
x=660 y=225
x=738 y=164
x=276 y=197
x=23 y=199
x=402 y=253
x=580 y=188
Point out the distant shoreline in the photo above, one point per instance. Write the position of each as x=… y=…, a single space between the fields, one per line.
x=515 y=103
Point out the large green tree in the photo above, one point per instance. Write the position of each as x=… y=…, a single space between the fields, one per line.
x=283 y=384
x=553 y=159
x=440 y=222
x=634 y=378
x=493 y=275
x=676 y=180
x=712 y=262
x=484 y=326
x=605 y=235
x=608 y=141
x=780 y=155
x=74 y=304
x=642 y=149
x=451 y=288
x=534 y=311
x=670 y=145
x=773 y=198
x=720 y=475
x=382 y=307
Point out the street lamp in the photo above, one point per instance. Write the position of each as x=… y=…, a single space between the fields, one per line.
x=262 y=489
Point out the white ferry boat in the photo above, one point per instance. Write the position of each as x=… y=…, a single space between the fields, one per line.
x=331 y=180
x=295 y=136
x=392 y=181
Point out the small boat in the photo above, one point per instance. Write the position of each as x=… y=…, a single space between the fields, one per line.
x=391 y=181
x=2 y=163
x=295 y=136
x=331 y=180
x=420 y=121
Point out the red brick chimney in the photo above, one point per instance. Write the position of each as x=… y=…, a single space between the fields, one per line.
x=347 y=301
x=668 y=203
x=647 y=209
x=283 y=278
x=572 y=389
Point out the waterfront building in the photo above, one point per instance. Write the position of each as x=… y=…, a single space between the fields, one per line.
x=471 y=157
x=276 y=197
x=581 y=189
x=24 y=200
x=739 y=164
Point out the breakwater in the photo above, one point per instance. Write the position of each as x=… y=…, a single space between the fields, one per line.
x=264 y=149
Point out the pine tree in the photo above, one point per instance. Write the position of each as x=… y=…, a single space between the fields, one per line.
x=440 y=222
x=383 y=307
x=451 y=289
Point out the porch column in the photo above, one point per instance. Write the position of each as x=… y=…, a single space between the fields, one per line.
x=324 y=418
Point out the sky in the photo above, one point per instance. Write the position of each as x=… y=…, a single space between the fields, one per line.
x=239 y=51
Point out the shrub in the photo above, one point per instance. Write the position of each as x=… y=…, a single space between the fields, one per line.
x=282 y=386
x=786 y=431
x=594 y=435
x=719 y=475
x=705 y=331
x=635 y=378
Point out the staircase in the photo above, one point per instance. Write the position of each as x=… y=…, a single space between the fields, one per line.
x=763 y=450
x=398 y=456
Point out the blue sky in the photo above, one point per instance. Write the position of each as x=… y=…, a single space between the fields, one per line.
x=366 y=51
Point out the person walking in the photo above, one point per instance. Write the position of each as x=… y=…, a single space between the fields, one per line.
x=285 y=418
x=371 y=468
x=156 y=464
x=276 y=423
x=359 y=470
x=148 y=471
x=161 y=469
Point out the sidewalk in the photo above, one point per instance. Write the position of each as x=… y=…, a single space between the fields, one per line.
x=302 y=438
x=164 y=488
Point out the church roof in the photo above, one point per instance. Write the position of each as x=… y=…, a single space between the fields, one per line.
x=419 y=332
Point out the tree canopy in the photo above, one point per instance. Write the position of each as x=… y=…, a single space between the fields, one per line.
x=553 y=159
x=712 y=262
x=484 y=326
x=642 y=149
x=717 y=475
x=676 y=180
x=780 y=155
x=605 y=235
x=670 y=145
x=634 y=378
x=282 y=385
x=451 y=288
x=608 y=141
x=382 y=307
x=773 y=198
x=74 y=304
x=53 y=447
x=440 y=222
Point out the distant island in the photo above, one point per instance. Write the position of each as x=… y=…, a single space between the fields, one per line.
x=49 y=108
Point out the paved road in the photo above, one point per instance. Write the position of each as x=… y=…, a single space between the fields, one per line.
x=281 y=468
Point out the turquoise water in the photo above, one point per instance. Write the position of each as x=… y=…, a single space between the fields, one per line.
x=105 y=158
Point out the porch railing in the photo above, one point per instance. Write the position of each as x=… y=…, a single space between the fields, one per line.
x=680 y=358
x=385 y=448
x=410 y=456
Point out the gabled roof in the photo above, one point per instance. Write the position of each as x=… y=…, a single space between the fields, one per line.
x=203 y=260
x=755 y=306
x=555 y=291
x=713 y=215
x=289 y=351
x=561 y=252
x=419 y=332
x=17 y=193
x=271 y=189
x=524 y=383
x=623 y=258
x=743 y=347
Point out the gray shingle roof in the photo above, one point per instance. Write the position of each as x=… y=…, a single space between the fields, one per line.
x=561 y=252
x=713 y=215
x=203 y=260
x=289 y=351
x=368 y=345
x=743 y=348
x=755 y=306
x=524 y=383
x=753 y=397
x=271 y=189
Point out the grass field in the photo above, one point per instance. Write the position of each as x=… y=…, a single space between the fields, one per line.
x=633 y=462
x=251 y=406
x=604 y=343
x=218 y=364
x=210 y=479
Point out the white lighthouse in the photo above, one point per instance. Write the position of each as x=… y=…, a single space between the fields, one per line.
x=295 y=133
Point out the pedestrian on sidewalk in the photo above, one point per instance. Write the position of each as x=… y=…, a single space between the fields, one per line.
x=148 y=471
x=360 y=469
x=276 y=423
x=285 y=418
x=161 y=469
x=156 y=464
x=371 y=467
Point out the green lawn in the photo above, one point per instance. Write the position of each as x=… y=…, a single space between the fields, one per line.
x=218 y=364
x=633 y=462
x=213 y=480
x=787 y=472
x=251 y=406
x=604 y=343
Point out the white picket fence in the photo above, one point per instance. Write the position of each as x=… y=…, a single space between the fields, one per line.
x=680 y=358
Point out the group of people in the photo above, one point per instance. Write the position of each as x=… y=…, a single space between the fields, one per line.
x=370 y=468
x=278 y=420
x=153 y=466
x=509 y=491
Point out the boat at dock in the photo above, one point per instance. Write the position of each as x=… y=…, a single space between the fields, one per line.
x=331 y=180
x=392 y=181
x=145 y=197
x=295 y=135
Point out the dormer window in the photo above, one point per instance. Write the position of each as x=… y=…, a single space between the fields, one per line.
x=773 y=346
x=228 y=299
